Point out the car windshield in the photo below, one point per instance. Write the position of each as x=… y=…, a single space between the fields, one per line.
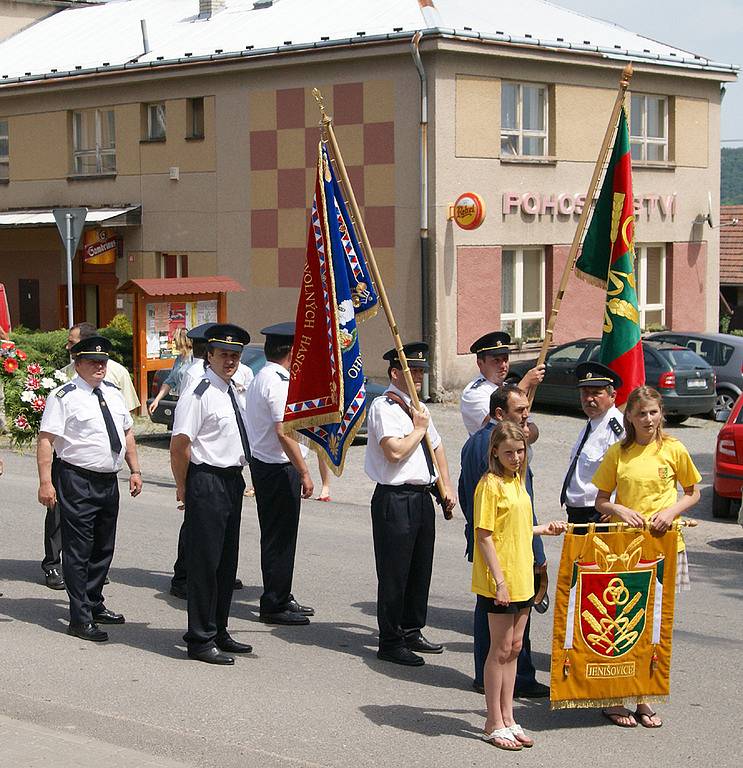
x=683 y=358
x=254 y=358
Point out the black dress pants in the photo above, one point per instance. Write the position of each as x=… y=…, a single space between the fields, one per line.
x=89 y=506
x=52 y=531
x=404 y=529
x=278 y=498
x=179 y=567
x=214 y=500
x=582 y=515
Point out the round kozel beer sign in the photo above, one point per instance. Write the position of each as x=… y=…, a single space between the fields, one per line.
x=469 y=210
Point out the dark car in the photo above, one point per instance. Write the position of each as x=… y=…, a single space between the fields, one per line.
x=255 y=359
x=723 y=351
x=685 y=381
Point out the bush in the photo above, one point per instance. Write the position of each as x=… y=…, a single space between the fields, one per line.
x=48 y=347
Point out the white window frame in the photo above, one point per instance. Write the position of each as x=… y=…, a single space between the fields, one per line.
x=5 y=159
x=518 y=316
x=519 y=132
x=178 y=264
x=641 y=268
x=643 y=140
x=157 y=124
x=99 y=152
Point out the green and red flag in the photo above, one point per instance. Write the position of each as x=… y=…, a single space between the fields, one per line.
x=608 y=260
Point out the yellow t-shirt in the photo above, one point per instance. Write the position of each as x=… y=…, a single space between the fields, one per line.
x=503 y=506
x=646 y=476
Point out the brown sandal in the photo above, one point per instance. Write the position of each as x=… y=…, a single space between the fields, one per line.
x=649 y=723
x=612 y=717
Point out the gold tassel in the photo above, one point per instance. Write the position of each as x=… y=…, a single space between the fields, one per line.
x=654 y=660
x=566 y=666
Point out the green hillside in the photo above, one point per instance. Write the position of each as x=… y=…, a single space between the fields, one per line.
x=731 y=182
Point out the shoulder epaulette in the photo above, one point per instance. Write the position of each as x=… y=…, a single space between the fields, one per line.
x=615 y=426
x=390 y=401
x=477 y=383
x=282 y=376
x=111 y=384
x=65 y=389
x=201 y=387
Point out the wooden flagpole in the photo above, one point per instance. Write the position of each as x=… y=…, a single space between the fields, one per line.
x=327 y=128
x=583 y=220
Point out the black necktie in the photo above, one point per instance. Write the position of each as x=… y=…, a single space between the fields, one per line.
x=240 y=423
x=573 y=465
x=113 y=435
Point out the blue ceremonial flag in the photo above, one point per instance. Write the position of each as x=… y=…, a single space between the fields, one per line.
x=327 y=395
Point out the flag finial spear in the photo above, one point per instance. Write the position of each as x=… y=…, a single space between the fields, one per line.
x=320 y=99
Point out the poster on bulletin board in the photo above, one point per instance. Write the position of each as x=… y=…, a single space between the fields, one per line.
x=164 y=318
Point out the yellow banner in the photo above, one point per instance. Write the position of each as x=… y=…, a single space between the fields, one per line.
x=613 y=618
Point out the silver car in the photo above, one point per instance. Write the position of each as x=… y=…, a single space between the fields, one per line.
x=723 y=351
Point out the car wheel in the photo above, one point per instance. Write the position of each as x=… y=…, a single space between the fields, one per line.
x=724 y=402
x=676 y=418
x=721 y=507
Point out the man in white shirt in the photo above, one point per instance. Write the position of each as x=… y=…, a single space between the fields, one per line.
x=190 y=378
x=118 y=375
x=492 y=352
x=87 y=425
x=597 y=385
x=208 y=450
x=402 y=512
x=281 y=479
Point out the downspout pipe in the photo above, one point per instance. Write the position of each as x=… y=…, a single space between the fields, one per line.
x=425 y=271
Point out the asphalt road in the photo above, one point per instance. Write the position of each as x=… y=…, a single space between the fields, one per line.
x=317 y=695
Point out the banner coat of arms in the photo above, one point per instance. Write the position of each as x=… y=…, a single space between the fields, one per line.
x=326 y=403
x=613 y=618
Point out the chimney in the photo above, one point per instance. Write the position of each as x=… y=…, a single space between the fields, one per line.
x=207 y=8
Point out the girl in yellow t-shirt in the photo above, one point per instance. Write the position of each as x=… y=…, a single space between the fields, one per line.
x=503 y=575
x=645 y=469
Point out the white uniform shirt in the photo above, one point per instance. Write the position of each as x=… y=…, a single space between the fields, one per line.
x=266 y=401
x=75 y=419
x=581 y=492
x=116 y=374
x=475 y=403
x=194 y=373
x=209 y=421
x=387 y=419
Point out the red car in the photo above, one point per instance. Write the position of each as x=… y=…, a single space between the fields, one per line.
x=728 y=468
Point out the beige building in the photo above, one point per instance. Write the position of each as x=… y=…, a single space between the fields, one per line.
x=16 y=15
x=192 y=142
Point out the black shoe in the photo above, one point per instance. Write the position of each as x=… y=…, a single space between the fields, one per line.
x=284 y=617
x=402 y=656
x=534 y=690
x=88 y=632
x=295 y=607
x=232 y=646
x=178 y=591
x=211 y=656
x=238 y=584
x=106 y=581
x=421 y=645
x=108 y=617
x=478 y=687
x=53 y=579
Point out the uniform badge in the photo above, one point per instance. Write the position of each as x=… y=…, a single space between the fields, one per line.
x=65 y=389
x=98 y=348
x=615 y=426
x=201 y=387
x=477 y=383
x=664 y=473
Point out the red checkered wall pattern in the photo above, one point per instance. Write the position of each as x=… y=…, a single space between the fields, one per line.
x=284 y=133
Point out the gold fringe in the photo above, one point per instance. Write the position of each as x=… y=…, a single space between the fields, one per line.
x=592 y=279
x=311 y=421
x=600 y=703
x=322 y=454
x=368 y=314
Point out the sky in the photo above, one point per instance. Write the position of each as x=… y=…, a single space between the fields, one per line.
x=712 y=29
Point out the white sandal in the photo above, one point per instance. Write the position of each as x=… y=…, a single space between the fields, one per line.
x=506 y=734
x=520 y=736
